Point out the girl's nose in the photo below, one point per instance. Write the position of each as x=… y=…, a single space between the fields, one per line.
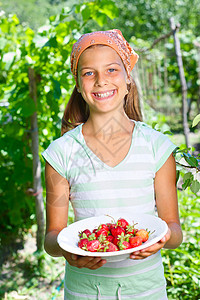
x=100 y=79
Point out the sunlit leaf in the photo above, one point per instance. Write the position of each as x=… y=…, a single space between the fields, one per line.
x=196 y=120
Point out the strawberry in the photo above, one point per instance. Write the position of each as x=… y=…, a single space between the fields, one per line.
x=103 y=226
x=101 y=231
x=110 y=225
x=124 y=245
x=122 y=223
x=110 y=247
x=130 y=229
x=115 y=241
x=86 y=231
x=110 y=238
x=143 y=234
x=117 y=231
x=83 y=243
x=95 y=231
x=93 y=246
x=135 y=241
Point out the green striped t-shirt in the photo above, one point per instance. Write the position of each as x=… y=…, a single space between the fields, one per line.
x=96 y=189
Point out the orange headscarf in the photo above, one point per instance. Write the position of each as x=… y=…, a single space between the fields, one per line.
x=112 y=38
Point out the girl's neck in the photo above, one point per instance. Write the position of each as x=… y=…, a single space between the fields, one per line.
x=117 y=122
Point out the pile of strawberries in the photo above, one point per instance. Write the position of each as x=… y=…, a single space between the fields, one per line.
x=111 y=237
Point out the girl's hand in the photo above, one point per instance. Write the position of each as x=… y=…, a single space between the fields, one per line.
x=78 y=261
x=152 y=249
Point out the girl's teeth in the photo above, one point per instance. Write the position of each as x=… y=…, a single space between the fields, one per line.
x=100 y=95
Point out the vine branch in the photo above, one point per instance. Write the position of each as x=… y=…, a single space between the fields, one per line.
x=162 y=37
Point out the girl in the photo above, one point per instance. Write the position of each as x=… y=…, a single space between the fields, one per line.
x=107 y=160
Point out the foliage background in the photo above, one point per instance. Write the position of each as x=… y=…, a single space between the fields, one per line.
x=41 y=39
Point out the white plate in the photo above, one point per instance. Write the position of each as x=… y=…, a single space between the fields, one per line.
x=68 y=238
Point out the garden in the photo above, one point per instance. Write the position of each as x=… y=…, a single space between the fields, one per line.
x=35 y=85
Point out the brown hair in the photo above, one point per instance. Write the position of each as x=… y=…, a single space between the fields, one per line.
x=77 y=110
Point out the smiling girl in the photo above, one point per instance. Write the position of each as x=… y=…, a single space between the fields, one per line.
x=108 y=161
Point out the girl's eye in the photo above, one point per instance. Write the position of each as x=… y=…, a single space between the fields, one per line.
x=89 y=73
x=111 y=70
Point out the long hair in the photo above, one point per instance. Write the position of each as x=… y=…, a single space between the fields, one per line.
x=77 y=110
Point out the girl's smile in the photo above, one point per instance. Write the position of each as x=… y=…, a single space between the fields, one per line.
x=104 y=95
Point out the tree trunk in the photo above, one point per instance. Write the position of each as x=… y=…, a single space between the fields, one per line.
x=198 y=72
x=183 y=81
x=37 y=186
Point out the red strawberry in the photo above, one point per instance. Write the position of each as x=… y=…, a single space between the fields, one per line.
x=122 y=223
x=95 y=231
x=93 y=246
x=135 y=241
x=110 y=247
x=110 y=238
x=143 y=234
x=111 y=225
x=101 y=231
x=103 y=226
x=124 y=245
x=131 y=230
x=83 y=243
x=117 y=231
x=86 y=231
x=115 y=241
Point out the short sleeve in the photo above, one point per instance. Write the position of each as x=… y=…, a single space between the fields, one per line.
x=55 y=155
x=162 y=148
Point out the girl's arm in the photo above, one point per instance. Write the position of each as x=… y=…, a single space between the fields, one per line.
x=167 y=206
x=167 y=202
x=57 y=204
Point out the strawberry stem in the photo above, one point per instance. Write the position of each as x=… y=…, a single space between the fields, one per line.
x=111 y=218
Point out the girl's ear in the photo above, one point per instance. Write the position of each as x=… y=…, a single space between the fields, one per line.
x=78 y=90
x=128 y=81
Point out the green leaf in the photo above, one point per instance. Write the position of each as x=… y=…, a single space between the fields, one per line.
x=100 y=18
x=188 y=176
x=57 y=90
x=196 y=120
x=191 y=160
x=186 y=184
x=153 y=125
x=28 y=107
x=109 y=8
x=177 y=175
x=195 y=186
x=52 y=42
x=168 y=132
x=86 y=13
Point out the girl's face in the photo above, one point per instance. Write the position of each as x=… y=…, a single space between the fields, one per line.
x=102 y=79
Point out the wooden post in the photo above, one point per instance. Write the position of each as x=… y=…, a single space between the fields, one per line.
x=183 y=81
x=37 y=186
x=198 y=72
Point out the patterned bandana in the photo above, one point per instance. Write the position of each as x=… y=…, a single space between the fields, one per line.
x=112 y=38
